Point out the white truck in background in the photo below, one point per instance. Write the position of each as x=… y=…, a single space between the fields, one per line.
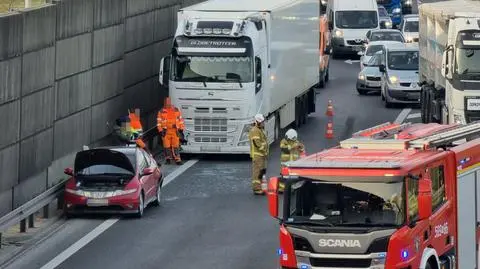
x=233 y=59
x=450 y=61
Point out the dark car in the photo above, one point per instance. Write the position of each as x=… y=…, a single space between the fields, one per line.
x=119 y=180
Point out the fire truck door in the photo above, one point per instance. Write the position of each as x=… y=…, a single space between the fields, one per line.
x=468 y=190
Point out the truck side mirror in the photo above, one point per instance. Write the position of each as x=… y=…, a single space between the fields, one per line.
x=424 y=198
x=446 y=64
x=272 y=193
x=381 y=68
x=164 y=73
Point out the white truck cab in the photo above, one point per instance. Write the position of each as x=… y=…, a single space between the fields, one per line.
x=349 y=22
x=232 y=60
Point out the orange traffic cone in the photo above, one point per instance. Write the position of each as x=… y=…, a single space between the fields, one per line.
x=329 y=112
x=329 y=131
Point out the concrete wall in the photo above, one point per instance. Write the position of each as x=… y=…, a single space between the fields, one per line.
x=67 y=71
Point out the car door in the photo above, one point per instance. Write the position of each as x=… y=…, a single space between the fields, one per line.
x=144 y=180
x=152 y=178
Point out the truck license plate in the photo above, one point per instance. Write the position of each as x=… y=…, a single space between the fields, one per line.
x=473 y=104
x=97 y=202
x=210 y=148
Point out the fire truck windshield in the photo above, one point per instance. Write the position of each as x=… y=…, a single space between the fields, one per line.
x=363 y=204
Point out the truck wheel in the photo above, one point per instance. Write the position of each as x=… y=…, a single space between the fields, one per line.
x=304 y=109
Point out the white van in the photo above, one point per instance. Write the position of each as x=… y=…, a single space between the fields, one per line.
x=349 y=21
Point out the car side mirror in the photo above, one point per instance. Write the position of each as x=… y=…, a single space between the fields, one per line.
x=272 y=193
x=147 y=171
x=68 y=171
x=164 y=72
x=424 y=198
x=381 y=68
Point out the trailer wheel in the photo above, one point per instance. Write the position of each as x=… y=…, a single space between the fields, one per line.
x=276 y=133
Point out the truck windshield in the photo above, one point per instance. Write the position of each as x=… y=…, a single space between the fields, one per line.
x=343 y=203
x=403 y=60
x=212 y=69
x=468 y=62
x=411 y=27
x=356 y=19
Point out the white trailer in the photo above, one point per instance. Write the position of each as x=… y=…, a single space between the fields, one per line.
x=450 y=61
x=233 y=59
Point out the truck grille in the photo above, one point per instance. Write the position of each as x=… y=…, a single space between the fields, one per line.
x=210 y=124
x=374 y=78
x=211 y=139
x=340 y=263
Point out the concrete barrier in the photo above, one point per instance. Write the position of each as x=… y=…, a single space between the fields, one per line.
x=67 y=71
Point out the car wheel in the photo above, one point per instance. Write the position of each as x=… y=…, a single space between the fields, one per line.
x=158 y=199
x=141 y=206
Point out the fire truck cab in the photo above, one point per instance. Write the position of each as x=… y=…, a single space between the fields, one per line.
x=403 y=196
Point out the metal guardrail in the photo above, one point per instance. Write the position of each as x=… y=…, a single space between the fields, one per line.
x=26 y=210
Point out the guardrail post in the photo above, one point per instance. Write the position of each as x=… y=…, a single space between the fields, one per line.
x=60 y=202
x=31 y=221
x=23 y=225
x=46 y=212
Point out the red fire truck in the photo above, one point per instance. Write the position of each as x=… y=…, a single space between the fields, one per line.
x=403 y=196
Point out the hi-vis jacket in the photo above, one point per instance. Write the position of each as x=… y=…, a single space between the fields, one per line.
x=258 y=143
x=291 y=150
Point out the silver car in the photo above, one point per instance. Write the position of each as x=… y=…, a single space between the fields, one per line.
x=374 y=47
x=370 y=78
x=409 y=28
x=400 y=75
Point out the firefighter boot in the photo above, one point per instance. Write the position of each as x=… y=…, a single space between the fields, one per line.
x=176 y=154
x=168 y=157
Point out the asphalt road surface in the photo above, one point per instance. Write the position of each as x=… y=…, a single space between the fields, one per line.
x=209 y=218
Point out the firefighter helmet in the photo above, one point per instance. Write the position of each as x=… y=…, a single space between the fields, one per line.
x=291 y=134
x=259 y=118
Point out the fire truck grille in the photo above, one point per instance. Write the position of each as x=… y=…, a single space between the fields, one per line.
x=340 y=263
x=210 y=124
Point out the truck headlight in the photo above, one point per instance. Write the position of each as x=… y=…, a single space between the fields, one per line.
x=338 y=33
x=245 y=130
x=409 y=39
x=388 y=24
x=379 y=261
x=459 y=119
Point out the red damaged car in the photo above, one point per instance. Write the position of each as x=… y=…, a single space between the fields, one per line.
x=119 y=180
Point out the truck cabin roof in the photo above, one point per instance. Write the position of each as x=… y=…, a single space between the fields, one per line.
x=385 y=150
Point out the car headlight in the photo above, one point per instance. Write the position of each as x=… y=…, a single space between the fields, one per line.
x=408 y=3
x=361 y=77
x=397 y=10
x=338 y=33
x=388 y=23
x=409 y=39
x=393 y=79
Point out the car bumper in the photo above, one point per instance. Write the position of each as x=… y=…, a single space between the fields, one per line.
x=403 y=95
x=368 y=85
x=124 y=204
x=339 y=46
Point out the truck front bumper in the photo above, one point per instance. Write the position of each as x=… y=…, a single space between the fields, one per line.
x=341 y=46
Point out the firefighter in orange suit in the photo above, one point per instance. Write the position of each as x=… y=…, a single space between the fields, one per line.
x=170 y=125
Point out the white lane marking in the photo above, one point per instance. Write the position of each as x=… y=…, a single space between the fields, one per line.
x=178 y=172
x=414 y=116
x=79 y=244
x=403 y=115
x=106 y=224
x=352 y=61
